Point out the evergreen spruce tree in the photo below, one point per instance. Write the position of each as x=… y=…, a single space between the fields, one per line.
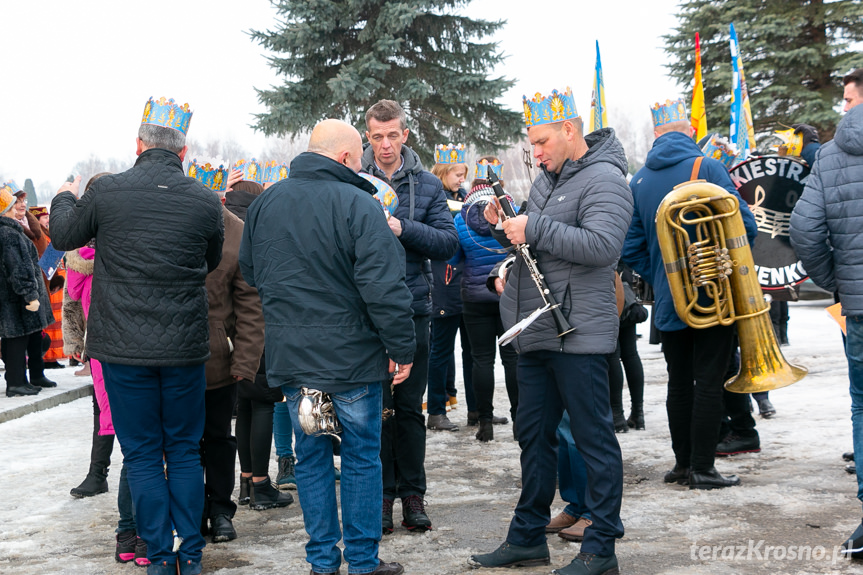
x=341 y=56
x=30 y=190
x=795 y=53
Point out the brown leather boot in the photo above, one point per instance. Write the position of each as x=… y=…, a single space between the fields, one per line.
x=560 y=521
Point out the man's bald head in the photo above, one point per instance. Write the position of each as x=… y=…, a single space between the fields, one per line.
x=338 y=141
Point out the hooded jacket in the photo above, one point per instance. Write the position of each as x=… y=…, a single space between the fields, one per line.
x=159 y=233
x=576 y=222
x=669 y=163
x=825 y=223
x=330 y=276
x=428 y=232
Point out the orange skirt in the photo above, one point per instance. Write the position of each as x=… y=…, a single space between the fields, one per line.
x=55 y=330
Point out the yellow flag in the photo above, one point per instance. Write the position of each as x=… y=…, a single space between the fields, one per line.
x=699 y=113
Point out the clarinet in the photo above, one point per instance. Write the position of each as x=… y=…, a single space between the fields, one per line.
x=560 y=321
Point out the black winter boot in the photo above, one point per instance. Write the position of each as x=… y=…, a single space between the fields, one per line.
x=636 y=416
x=96 y=481
x=245 y=490
x=620 y=424
x=264 y=495
x=486 y=430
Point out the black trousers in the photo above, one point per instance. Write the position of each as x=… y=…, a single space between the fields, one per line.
x=19 y=353
x=697 y=360
x=219 y=451
x=738 y=407
x=254 y=435
x=483 y=324
x=627 y=352
x=403 y=436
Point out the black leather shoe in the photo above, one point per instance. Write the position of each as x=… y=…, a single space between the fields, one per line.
x=222 y=529
x=733 y=444
x=590 y=564
x=42 y=382
x=679 y=475
x=851 y=468
x=711 y=480
x=313 y=572
x=17 y=390
x=388 y=569
x=853 y=546
x=766 y=409
x=848 y=456
x=414 y=514
x=620 y=423
x=508 y=555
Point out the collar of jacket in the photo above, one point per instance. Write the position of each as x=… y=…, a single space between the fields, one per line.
x=602 y=146
x=412 y=165
x=4 y=221
x=160 y=156
x=312 y=166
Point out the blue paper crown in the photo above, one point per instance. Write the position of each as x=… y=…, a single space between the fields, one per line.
x=215 y=179
x=452 y=154
x=252 y=169
x=720 y=149
x=274 y=172
x=483 y=165
x=11 y=187
x=670 y=111
x=554 y=108
x=167 y=114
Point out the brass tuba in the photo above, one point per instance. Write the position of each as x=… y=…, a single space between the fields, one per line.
x=706 y=253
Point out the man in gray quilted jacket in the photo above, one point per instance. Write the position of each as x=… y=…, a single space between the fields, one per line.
x=577 y=215
x=825 y=233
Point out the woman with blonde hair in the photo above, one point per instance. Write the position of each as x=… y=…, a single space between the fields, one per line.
x=451 y=169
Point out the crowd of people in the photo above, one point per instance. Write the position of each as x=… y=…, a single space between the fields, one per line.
x=319 y=320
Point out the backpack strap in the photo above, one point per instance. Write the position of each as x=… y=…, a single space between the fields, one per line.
x=695 y=168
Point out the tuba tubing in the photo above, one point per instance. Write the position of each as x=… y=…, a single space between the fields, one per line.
x=718 y=264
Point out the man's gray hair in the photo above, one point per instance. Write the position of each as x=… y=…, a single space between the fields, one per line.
x=159 y=137
x=387 y=111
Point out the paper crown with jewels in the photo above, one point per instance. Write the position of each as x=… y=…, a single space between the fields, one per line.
x=385 y=194
x=253 y=170
x=548 y=110
x=452 y=154
x=483 y=165
x=167 y=114
x=274 y=172
x=670 y=111
x=215 y=179
x=11 y=187
x=720 y=149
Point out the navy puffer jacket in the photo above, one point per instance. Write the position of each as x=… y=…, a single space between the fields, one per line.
x=427 y=229
x=446 y=290
x=825 y=223
x=478 y=251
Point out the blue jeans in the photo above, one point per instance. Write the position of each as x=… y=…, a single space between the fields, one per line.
x=571 y=472
x=359 y=411
x=854 y=352
x=441 y=378
x=158 y=412
x=548 y=383
x=283 y=430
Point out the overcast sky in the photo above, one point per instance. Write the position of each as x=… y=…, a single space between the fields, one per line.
x=77 y=74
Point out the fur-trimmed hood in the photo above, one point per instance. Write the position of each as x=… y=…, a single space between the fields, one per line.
x=74 y=261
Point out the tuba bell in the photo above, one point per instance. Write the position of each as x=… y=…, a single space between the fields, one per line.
x=713 y=280
x=317 y=414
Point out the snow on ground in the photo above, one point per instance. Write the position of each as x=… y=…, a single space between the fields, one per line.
x=796 y=499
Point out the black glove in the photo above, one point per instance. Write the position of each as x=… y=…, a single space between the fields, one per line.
x=809 y=133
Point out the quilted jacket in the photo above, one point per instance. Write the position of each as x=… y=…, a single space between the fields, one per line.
x=825 y=223
x=427 y=229
x=159 y=233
